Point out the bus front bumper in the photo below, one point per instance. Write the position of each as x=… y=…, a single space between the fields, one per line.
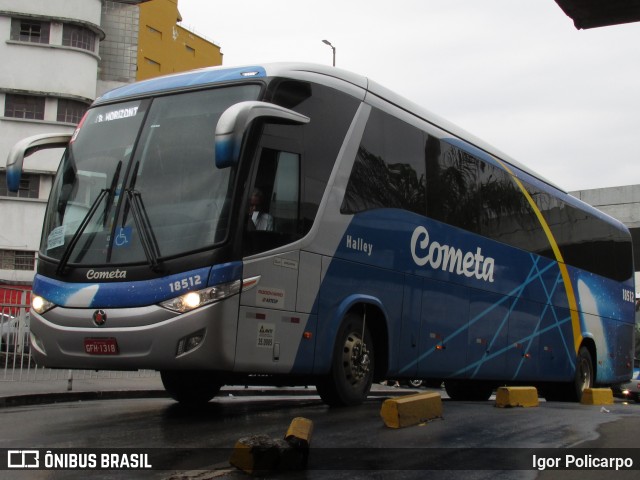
x=137 y=338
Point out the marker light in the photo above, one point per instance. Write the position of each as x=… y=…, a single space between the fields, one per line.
x=40 y=305
x=192 y=300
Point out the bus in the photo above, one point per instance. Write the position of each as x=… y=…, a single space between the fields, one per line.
x=294 y=224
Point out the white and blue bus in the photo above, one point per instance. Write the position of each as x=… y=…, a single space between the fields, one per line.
x=299 y=224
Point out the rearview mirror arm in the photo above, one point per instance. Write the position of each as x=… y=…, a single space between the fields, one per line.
x=26 y=147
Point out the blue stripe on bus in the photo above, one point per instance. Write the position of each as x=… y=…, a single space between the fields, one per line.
x=133 y=294
x=517 y=326
x=184 y=80
x=225 y=273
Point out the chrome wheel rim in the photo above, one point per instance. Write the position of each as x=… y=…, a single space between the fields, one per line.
x=355 y=359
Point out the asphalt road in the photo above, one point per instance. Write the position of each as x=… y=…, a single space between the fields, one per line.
x=473 y=440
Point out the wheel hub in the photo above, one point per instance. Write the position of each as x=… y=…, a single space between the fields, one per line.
x=356 y=358
x=585 y=374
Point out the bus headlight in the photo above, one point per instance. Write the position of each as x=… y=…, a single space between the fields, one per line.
x=41 y=305
x=196 y=299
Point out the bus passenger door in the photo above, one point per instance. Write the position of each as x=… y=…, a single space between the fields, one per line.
x=270 y=331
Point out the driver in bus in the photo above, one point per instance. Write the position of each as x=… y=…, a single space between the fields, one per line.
x=258 y=219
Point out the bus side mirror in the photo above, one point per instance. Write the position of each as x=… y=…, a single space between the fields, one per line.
x=235 y=120
x=26 y=147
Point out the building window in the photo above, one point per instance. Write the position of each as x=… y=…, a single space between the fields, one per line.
x=78 y=37
x=155 y=32
x=29 y=30
x=29 y=186
x=190 y=50
x=70 y=111
x=17 y=260
x=152 y=63
x=24 y=106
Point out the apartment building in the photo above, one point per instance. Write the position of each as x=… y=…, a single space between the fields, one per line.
x=58 y=56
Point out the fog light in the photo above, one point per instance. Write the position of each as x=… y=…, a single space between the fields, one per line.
x=189 y=343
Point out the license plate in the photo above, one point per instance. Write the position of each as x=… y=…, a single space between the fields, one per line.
x=101 y=346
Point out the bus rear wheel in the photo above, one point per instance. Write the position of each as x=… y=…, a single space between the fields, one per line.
x=583 y=378
x=190 y=387
x=351 y=375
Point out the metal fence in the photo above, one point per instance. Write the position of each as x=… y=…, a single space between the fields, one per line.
x=16 y=362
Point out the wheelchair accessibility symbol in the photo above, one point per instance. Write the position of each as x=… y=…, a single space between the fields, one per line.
x=123 y=237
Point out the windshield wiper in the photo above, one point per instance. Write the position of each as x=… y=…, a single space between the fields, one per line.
x=132 y=187
x=112 y=192
x=76 y=236
x=147 y=237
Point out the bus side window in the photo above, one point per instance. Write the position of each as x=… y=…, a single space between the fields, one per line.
x=286 y=193
x=389 y=170
x=278 y=184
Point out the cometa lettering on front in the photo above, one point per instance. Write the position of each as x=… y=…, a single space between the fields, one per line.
x=108 y=275
x=448 y=258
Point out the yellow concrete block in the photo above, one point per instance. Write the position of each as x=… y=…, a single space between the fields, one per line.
x=256 y=454
x=411 y=409
x=299 y=432
x=597 y=396
x=517 y=397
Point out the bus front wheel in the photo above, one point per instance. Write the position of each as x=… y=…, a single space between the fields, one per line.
x=351 y=375
x=190 y=387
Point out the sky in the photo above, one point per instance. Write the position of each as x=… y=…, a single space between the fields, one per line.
x=516 y=73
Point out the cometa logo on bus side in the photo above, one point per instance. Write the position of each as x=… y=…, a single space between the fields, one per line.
x=448 y=258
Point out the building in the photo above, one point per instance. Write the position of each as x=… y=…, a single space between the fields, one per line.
x=58 y=56
x=166 y=47
x=144 y=40
x=50 y=58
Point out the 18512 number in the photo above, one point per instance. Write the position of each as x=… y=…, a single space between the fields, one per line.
x=185 y=283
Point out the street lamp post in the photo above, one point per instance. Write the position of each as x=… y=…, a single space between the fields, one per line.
x=327 y=42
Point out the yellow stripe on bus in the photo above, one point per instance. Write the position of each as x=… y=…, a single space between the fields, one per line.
x=571 y=296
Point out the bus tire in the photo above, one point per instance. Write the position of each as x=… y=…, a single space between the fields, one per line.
x=583 y=378
x=460 y=390
x=585 y=374
x=351 y=375
x=190 y=387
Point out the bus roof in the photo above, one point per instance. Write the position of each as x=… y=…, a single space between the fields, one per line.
x=213 y=75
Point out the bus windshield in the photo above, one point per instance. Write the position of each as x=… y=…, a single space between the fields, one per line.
x=140 y=177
